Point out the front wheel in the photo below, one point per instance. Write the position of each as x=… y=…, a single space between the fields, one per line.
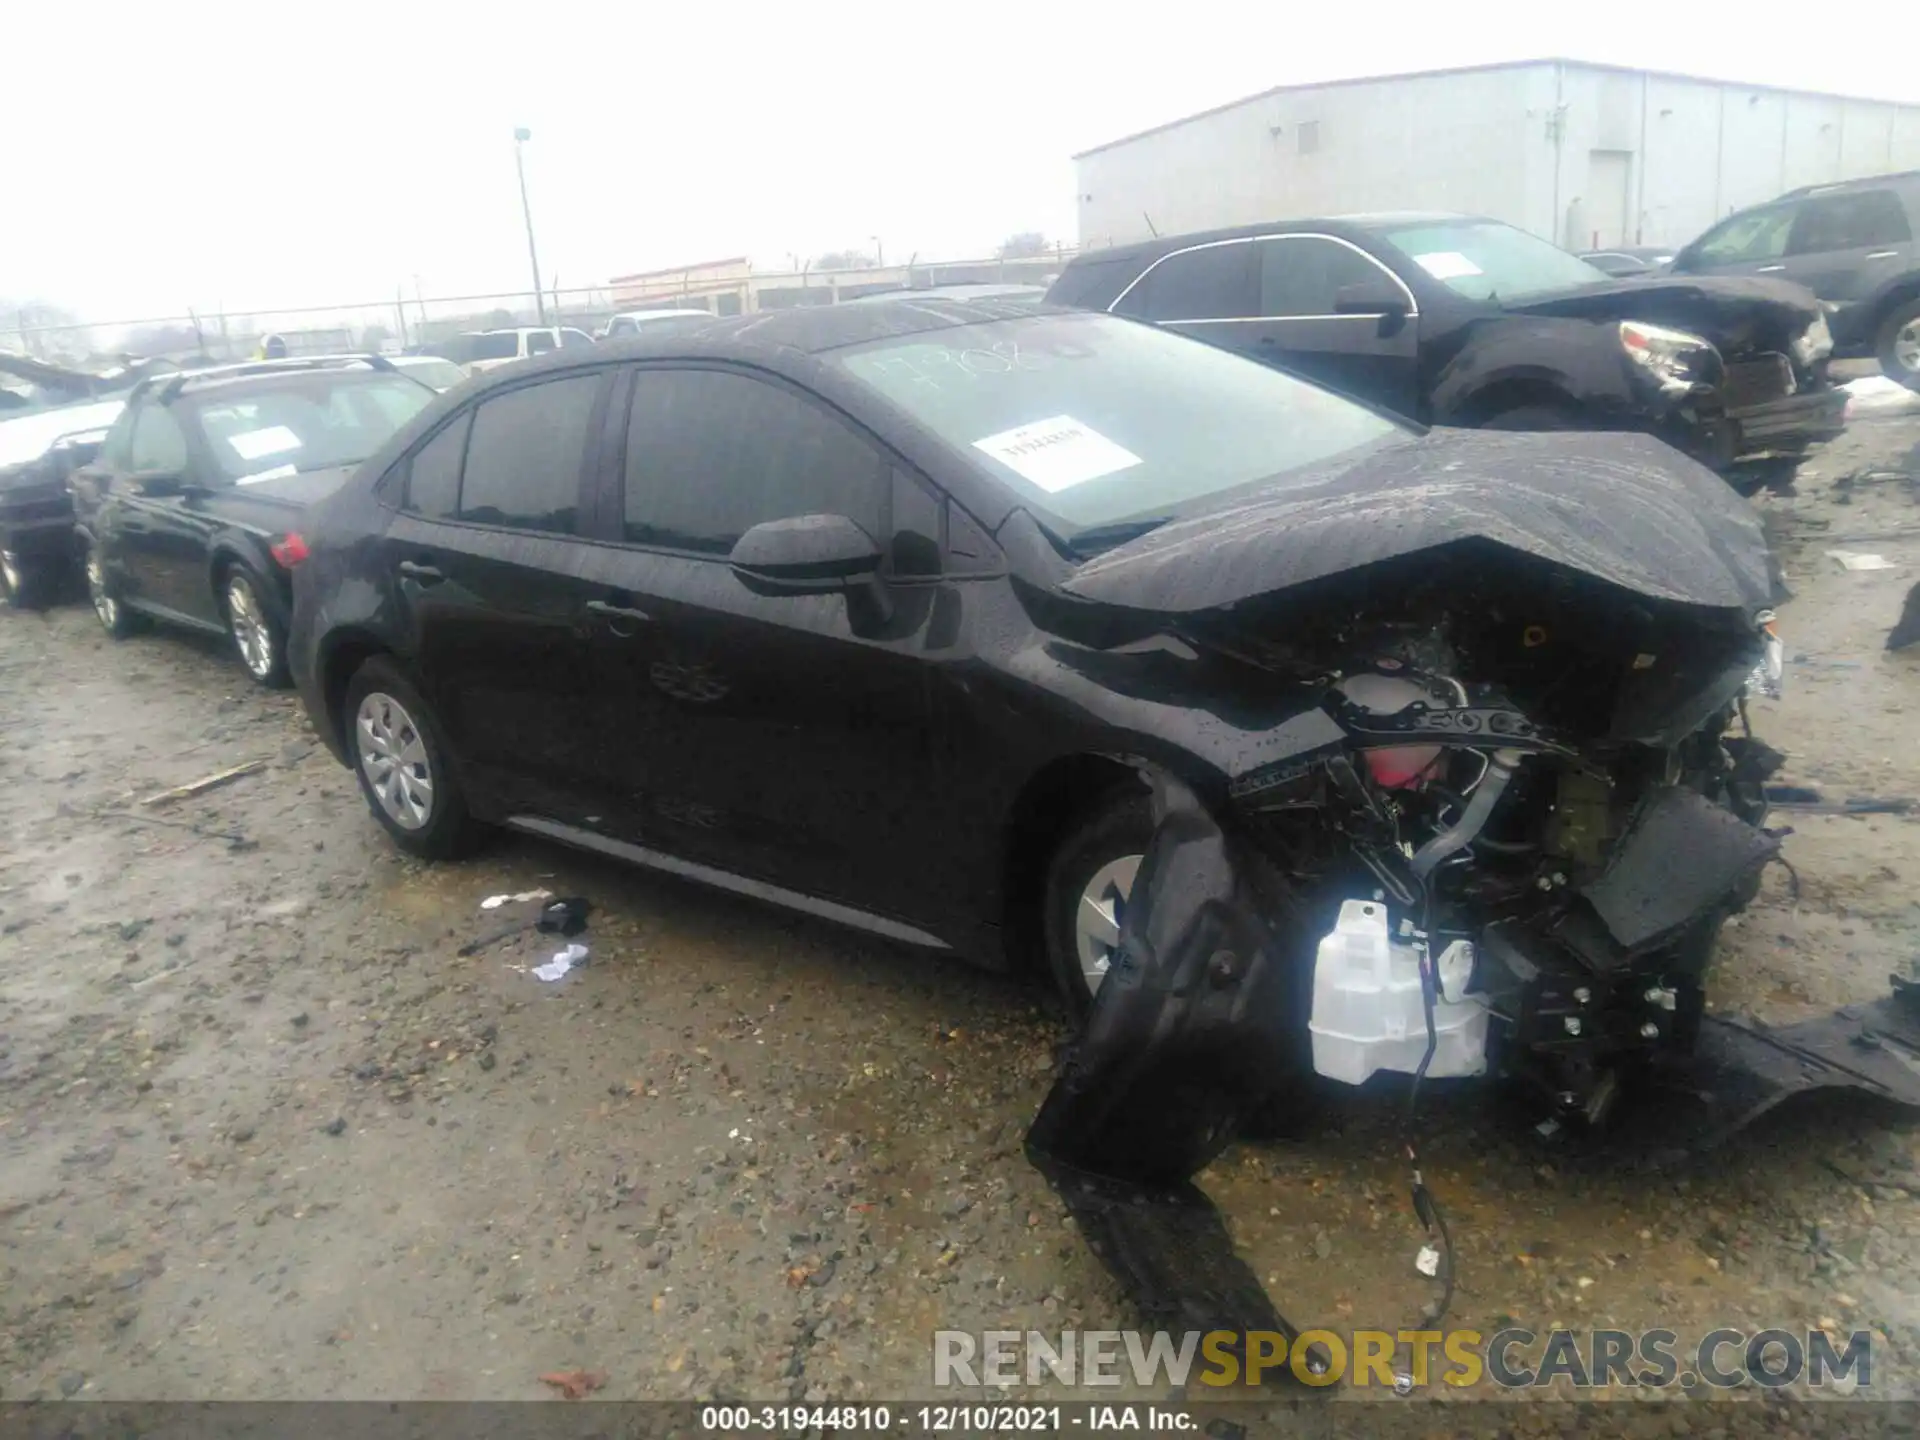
x=28 y=582
x=401 y=762
x=1898 y=344
x=253 y=622
x=1538 y=417
x=1088 y=885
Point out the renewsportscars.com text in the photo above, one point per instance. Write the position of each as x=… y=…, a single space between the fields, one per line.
x=1513 y=1358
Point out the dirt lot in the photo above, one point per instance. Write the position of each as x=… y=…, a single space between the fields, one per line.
x=264 y=1134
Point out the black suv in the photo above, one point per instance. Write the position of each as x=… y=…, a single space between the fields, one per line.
x=1455 y=320
x=188 y=513
x=1852 y=244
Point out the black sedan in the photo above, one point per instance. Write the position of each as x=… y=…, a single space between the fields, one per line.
x=894 y=612
x=188 y=513
x=1457 y=320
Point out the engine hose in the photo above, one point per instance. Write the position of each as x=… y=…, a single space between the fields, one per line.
x=1486 y=795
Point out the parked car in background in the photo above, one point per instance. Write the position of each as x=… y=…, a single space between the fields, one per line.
x=965 y=290
x=1457 y=320
x=636 y=322
x=435 y=370
x=189 y=511
x=1852 y=244
x=882 y=611
x=1630 y=259
x=479 y=350
x=38 y=451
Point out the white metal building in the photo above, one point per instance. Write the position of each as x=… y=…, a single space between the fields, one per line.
x=1585 y=155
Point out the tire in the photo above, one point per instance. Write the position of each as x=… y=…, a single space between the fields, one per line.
x=1536 y=417
x=384 y=718
x=28 y=582
x=1091 y=865
x=1897 y=343
x=118 y=621
x=256 y=627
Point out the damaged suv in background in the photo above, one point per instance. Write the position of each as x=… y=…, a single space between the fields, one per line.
x=1457 y=320
x=1338 y=745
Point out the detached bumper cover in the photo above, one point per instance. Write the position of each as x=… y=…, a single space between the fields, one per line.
x=1790 y=424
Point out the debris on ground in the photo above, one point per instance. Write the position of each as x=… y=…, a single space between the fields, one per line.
x=574 y=1384
x=564 y=961
x=494 y=902
x=206 y=783
x=1860 y=560
x=564 y=917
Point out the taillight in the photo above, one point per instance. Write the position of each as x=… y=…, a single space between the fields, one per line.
x=289 y=550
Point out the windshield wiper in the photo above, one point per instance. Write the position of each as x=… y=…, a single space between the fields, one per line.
x=1096 y=538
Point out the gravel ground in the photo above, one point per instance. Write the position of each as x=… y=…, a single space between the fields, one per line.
x=265 y=1135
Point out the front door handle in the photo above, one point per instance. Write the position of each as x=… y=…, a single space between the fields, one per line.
x=1883 y=255
x=608 y=611
x=1769 y=269
x=423 y=574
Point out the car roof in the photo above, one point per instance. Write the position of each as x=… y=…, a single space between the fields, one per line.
x=1898 y=179
x=1365 y=222
x=258 y=373
x=659 y=314
x=802 y=330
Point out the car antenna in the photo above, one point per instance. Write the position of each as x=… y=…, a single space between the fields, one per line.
x=1149 y=219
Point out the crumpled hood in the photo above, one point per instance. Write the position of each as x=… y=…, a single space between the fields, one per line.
x=1626 y=509
x=1704 y=299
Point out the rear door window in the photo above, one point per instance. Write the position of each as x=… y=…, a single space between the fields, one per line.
x=1212 y=282
x=539 y=342
x=711 y=454
x=1852 y=221
x=525 y=454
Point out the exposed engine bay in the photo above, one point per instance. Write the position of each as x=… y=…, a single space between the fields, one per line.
x=1530 y=834
x=1477 y=813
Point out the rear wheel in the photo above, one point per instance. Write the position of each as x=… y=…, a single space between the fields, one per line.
x=259 y=636
x=1088 y=885
x=1898 y=343
x=402 y=764
x=114 y=617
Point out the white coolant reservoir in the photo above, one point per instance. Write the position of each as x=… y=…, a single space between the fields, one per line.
x=1367 y=1012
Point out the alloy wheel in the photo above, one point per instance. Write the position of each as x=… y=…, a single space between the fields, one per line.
x=104 y=605
x=393 y=757
x=1906 y=346
x=1098 y=916
x=251 y=633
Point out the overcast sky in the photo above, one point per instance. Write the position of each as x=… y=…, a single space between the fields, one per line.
x=300 y=153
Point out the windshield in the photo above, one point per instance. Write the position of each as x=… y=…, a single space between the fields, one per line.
x=432 y=370
x=1485 y=260
x=1100 y=423
x=303 y=422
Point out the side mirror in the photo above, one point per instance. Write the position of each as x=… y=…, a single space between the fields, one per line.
x=809 y=554
x=1373 y=297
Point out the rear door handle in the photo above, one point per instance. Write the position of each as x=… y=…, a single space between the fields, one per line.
x=1883 y=254
x=1769 y=269
x=609 y=611
x=423 y=574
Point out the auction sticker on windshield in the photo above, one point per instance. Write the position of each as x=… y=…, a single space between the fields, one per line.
x=1058 y=453
x=274 y=440
x=1446 y=265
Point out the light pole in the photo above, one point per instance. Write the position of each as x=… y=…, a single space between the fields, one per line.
x=879 y=254
x=520 y=136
